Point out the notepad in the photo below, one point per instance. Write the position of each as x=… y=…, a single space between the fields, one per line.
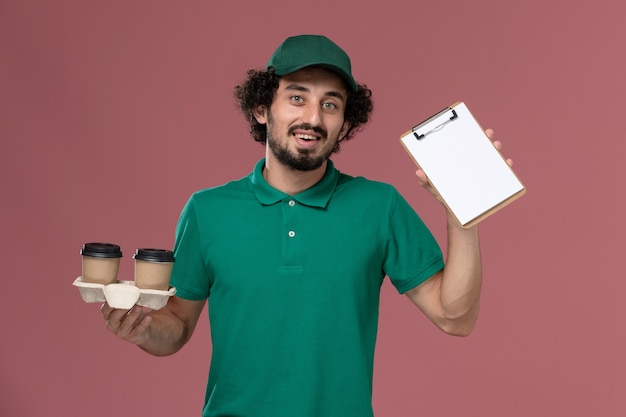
x=462 y=164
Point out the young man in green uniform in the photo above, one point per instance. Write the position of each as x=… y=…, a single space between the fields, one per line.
x=293 y=255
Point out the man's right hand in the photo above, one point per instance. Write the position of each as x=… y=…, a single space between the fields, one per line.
x=158 y=332
x=131 y=325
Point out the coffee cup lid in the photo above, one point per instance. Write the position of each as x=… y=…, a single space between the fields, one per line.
x=154 y=255
x=101 y=250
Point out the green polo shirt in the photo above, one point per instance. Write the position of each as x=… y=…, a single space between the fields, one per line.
x=293 y=284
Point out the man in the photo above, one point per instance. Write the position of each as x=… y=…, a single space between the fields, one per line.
x=293 y=255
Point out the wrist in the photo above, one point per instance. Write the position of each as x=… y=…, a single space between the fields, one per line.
x=455 y=226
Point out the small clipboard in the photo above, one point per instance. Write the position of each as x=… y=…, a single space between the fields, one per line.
x=462 y=164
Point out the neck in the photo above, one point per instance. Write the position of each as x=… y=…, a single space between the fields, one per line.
x=288 y=180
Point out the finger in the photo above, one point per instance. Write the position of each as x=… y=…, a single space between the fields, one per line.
x=498 y=145
x=138 y=334
x=137 y=331
x=490 y=133
x=421 y=177
x=141 y=313
x=115 y=319
x=129 y=321
x=106 y=311
x=428 y=186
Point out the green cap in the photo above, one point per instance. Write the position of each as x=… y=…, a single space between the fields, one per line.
x=297 y=52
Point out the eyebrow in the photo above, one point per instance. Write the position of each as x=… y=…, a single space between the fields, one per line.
x=331 y=93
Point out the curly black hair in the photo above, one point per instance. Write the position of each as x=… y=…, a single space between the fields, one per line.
x=259 y=89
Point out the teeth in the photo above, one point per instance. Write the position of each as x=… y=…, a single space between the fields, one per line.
x=306 y=137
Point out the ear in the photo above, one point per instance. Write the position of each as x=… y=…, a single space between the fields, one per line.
x=260 y=114
x=344 y=130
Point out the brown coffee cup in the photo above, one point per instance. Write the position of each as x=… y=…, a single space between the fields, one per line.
x=101 y=262
x=153 y=268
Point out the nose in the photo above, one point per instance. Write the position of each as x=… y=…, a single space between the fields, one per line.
x=312 y=114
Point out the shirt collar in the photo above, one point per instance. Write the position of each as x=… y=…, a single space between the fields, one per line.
x=316 y=196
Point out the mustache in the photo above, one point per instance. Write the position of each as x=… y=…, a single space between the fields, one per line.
x=305 y=126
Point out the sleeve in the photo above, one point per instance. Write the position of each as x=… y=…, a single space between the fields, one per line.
x=189 y=275
x=412 y=253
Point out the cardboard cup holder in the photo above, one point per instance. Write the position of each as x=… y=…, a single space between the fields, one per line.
x=122 y=294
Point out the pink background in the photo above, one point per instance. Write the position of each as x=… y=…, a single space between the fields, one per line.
x=113 y=112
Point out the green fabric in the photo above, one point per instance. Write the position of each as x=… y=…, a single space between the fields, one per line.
x=294 y=317
x=302 y=51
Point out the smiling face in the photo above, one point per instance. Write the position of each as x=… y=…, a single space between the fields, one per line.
x=306 y=118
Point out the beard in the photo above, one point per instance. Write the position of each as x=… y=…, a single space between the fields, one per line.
x=302 y=159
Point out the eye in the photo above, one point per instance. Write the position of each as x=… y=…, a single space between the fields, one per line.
x=297 y=99
x=329 y=106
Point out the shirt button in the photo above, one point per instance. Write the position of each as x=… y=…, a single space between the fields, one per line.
x=292 y=203
x=291 y=233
